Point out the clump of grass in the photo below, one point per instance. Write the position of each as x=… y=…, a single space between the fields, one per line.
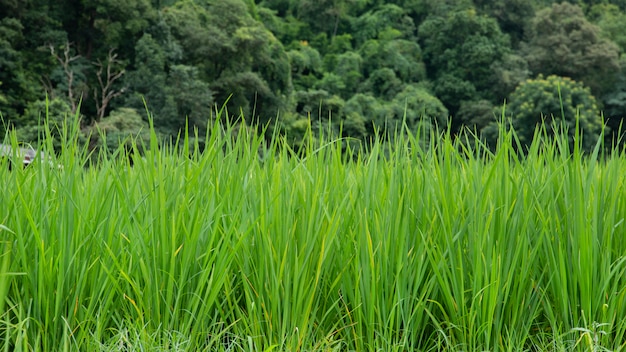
x=249 y=245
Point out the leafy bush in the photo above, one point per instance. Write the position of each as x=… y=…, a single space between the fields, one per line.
x=124 y=126
x=554 y=99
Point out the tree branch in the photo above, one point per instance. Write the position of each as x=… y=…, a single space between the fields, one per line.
x=107 y=93
x=65 y=62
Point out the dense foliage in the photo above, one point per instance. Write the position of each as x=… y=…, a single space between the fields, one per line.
x=345 y=66
x=556 y=102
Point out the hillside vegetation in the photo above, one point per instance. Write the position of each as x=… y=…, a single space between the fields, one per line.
x=349 y=66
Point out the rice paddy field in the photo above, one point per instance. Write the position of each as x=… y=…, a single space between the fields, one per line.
x=438 y=245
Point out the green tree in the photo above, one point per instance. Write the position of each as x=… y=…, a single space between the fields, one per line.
x=402 y=56
x=318 y=104
x=414 y=105
x=512 y=15
x=615 y=102
x=54 y=112
x=283 y=24
x=306 y=65
x=508 y=74
x=68 y=79
x=26 y=29
x=3 y=98
x=418 y=10
x=192 y=97
x=244 y=63
x=363 y=113
x=146 y=80
x=372 y=24
x=348 y=68
x=123 y=126
x=20 y=81
x=588 y=5
x=174 y=93
x=562 y=42
x=478 y=114
x=283 y=8
x=382 y=83
x=313 y=108
x=327 y=16
x=385 y=38
x=73 y=50
x=554 y=99
x=453 y=90
x=460 y=49
x=610 y=18
x=97 y=26
x=10 y=66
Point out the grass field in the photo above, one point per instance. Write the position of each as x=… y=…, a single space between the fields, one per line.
x=438 y=246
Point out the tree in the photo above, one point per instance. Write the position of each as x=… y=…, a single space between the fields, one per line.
x=10 y=66
x=244 y=63
x=512 y=15
x=554 y=99
x=477 y=115
x=192 y=97
x=365 y=114
x=615 y=102
x=327 y=16
x=96 y=26
x=401 y=56
x=460 y=48
x=318 y=104
x=306 y=65
x=54 y=112
x=563 y=43
x=313 y=108
x=386 y=39
x=418 y=10
x=382 y=19
x=588 y=5
x=453 y=90
x=282 y=7
x=508 y=74
x=286 y=28
x=107 y=74
x=19 y=86
x=146 y=80
x=348 y=68
x=122 y=126
x=70 y=80
x=3 y=98
x=609 y=18
x=382 y=83
x=415 y=105
x=174 y=93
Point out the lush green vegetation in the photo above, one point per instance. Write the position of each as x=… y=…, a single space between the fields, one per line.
x=432 y=244
x=350 y=66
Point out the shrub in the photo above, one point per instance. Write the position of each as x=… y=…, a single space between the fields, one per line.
x=554 y=99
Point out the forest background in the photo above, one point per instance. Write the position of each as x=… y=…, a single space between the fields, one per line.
x=350 y=67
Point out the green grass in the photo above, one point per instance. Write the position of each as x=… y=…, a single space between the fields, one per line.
x=249 y=246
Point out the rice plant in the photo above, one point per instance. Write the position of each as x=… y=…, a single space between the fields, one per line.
x=419 y=245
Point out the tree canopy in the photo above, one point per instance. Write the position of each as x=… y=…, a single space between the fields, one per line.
x=354 y=66
x=558 y=102
x=563 y=42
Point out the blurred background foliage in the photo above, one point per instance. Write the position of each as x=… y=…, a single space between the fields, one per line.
x=350 y=67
